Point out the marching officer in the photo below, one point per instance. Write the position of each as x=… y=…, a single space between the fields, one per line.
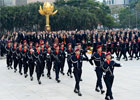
x=38 y=64
x=19 y=55
x=108 y=68
x=25 y=60
x=8 y=56
x=31 y=62
x=98 y=58
x=135 y=49
x=123 y=50
x=43 y=58
x=15 y=57
x=77 y=60
x=57 y=56
x=49 y=59
x=69 y=55
x=62 y=50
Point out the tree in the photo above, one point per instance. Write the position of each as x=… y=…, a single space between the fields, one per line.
x=72 y=14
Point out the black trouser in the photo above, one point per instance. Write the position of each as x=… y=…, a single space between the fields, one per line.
x=99 y=74
x=139 y=52
x=123 y=52
x=77 y=75
x=108 y=82
x=2 y=51
x=62 y=65
x=49 y=66
x=15 y=63
x=25 y=65
x=20 y=65
x=38 y=71
x=31 y=68
x=43 y=66
x=130 y=53
x=57 y=69
x=135 y=52
x=9 y=61
x=70 y=67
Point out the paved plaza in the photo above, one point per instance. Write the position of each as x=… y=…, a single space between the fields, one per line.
x=15 y=87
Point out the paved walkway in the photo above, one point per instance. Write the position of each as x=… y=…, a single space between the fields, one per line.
x=15 y=87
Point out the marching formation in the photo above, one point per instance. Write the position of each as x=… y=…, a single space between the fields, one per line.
x=32 y=52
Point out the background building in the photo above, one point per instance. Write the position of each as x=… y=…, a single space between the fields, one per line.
x=31 y=1
x=20 y=2
x=116 y=2
x=6 y=2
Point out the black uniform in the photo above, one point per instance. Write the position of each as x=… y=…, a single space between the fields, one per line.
x=19 y=55
x=57 y=56
x=9 y=57
x=15 y=58
x=123 y=51
x=25 y=61
x=62 y=60
x=31 y=63
x=108 y=68
x=49 y=59
x=38 y=62
x=43 y=60
x=77 y=71
x=98 y=60
x=69 y=55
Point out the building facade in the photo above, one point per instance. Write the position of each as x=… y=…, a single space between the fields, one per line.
x=32 y=1
x=116 y=2
x=20 y=2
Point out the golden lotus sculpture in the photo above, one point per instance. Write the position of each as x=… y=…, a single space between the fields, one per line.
x=47 y=10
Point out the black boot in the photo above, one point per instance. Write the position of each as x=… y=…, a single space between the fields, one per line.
x=102 y=91
x=39 y=82
x=79 y=93
x=75 y=90
x=11 y=67
x=20 y=73
x=42 y=74
x=71 y=76
x=58 y=81
x=68 y=73
x=62 y=73
x=97 y=90
x=31 y=78
x=107 y=98
x=15 y=70
x=26 y=75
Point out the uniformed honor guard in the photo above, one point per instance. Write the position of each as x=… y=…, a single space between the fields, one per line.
x=31 y=62
x=98 y=58
x=25 y=60
x=38 y=63
x=62 y=50
x=19 y=58
x=77 y=60
x=57 y=56
x=15 y=58
x=9 y=55
x=69 y=55
x=108 y=68
x=49 y=60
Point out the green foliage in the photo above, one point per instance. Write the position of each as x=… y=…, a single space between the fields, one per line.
x=129 y=16
x=72 y=14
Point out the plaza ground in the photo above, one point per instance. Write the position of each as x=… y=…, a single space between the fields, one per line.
x=15 y=87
